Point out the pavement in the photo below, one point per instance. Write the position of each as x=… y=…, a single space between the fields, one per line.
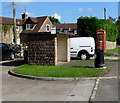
x=111 y=58
x=19 y=89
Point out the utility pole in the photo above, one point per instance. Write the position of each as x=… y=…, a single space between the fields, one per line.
x=25 y=9
x=105 y=13
x=14 y=23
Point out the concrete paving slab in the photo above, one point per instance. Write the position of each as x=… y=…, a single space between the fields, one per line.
x=34 y=90
x=81 y=91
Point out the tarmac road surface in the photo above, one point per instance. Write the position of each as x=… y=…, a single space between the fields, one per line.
x=108 y=90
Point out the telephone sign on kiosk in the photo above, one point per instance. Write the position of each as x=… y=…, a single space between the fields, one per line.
x=101 y=40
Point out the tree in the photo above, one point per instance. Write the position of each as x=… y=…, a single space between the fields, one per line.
x=111 y=19
x=87 y=27
x=118 y=36
x=54 y=20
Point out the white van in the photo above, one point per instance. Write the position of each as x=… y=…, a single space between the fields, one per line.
x=82 y=47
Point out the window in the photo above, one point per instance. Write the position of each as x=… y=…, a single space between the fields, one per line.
x=47 y=28
x=75 y=31
x=65 y=31
x=17 y=28
x=29 y=26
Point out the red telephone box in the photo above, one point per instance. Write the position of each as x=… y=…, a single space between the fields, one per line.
x=101 y=39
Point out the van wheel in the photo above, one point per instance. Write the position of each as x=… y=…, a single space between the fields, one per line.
x=12 y=56
x=84 y=56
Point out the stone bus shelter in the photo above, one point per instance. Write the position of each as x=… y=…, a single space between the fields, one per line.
x=46 y=48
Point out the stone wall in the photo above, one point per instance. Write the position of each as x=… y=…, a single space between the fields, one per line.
x=8 y=36
x=41 y=50
x=110 y=45
x=45 y=48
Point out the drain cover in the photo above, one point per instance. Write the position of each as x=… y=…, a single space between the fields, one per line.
x=72 y=95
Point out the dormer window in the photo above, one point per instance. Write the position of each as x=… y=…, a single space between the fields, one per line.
x=65 y=31
x=29 y=26
x=47 y=28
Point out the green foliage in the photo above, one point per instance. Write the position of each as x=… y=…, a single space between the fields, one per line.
x=54 y=20
x=3 y=30
x=5 y=27
x=87 y=27
x=111 y=29
x=118 y=36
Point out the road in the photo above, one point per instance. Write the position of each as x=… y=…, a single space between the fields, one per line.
x=108 y=90
x=19 y=89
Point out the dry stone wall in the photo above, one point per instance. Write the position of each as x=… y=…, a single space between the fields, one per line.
x=110 y=45
x=42 y=51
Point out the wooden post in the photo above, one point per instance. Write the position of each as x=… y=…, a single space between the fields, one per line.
x=14 y=23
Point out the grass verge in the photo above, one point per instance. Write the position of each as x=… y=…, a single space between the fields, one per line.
x=112 y=52
x=92 y=60
x=58 y=71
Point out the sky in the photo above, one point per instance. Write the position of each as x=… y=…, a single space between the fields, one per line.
x=66 y=12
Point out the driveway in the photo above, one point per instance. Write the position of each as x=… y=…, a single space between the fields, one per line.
x=19 y=89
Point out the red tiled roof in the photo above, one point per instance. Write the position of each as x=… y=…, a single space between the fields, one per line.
x=66 y=26
x=39 y=21
x=33 y=19
x=6 y=20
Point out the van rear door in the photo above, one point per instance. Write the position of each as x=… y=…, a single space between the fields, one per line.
x=74 y=46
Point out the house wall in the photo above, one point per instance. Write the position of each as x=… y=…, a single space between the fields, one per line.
x=19 y=31
x=43 y=28
x=63 y=51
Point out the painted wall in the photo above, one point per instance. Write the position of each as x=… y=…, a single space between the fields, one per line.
x=63 y=49
x=43 y=28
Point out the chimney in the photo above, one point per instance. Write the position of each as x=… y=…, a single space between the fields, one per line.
x=24 y=16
